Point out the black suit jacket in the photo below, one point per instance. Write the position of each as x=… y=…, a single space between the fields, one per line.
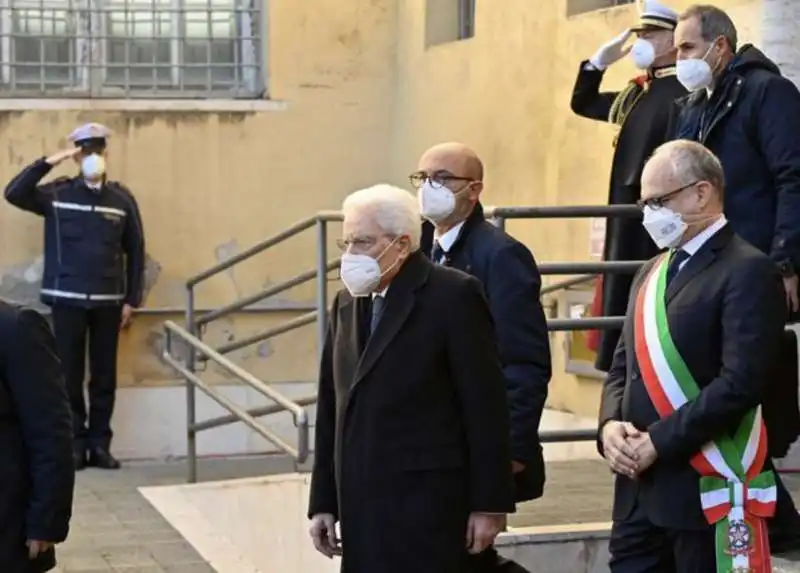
x=36 y=468
x=726 y=313
x=509 y=274
x=412 y=433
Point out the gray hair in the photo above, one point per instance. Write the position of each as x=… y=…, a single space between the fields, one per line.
x=692 y=162
x=395 y=210
x=714 y=23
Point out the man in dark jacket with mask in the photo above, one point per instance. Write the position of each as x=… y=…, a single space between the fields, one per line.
x=449 y=181
x=743 y=110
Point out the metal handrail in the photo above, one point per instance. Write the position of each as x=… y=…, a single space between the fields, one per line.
x=300 y=454
x=193 y=333
x=569 y=283
x=266 y=293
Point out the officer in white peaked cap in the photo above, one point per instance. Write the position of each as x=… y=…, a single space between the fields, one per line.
x=94 y=264
x=640 y=111
x=90 y=136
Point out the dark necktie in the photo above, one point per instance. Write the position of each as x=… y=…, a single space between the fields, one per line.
x=437 y=252
x=378 y=302
x=675 y=264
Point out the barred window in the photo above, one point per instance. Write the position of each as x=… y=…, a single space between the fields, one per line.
x=131 y=48
x=575 y=7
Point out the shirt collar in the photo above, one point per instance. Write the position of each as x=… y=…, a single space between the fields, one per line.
x=381 y=294
x=693 y=245
x=448 y=239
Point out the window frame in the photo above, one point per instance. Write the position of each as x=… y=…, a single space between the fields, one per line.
x=92 y=64
x=466 y=19
x=580 y=7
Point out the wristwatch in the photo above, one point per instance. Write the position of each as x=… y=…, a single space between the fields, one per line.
x=786 y=268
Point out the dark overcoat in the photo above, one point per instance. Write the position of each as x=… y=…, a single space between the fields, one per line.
x=412 y=432
x=642 y=111
x=512 y=282
x=36 y=468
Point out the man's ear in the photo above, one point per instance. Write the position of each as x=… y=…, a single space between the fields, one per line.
x=475 y=189
x=705 y=192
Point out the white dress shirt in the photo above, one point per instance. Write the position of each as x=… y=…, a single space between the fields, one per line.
x=447 y=240
x=693 y=245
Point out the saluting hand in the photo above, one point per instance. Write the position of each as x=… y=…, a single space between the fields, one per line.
x=611 y=52
x=57 y=158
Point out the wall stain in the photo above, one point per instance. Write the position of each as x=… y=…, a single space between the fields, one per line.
x=21 y=282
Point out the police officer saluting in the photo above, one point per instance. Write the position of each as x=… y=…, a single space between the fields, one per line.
x=90 y=223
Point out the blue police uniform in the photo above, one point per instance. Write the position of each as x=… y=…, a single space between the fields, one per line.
x=93 y=265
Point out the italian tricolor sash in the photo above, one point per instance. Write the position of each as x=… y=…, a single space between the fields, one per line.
x=736 y=494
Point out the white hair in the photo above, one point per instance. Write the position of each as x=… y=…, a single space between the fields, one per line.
x=394 y=210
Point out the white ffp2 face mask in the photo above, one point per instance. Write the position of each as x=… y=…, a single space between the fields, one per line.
x=435 y=203
x=643 y=54
x=695 y=73
x=665 y=226
x=93 y=166
x=361 y=274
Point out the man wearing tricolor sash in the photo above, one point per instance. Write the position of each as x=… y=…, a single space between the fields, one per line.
x=680 y=417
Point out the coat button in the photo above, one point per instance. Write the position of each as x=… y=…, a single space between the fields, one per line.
x=739 y=81
x=730 y=104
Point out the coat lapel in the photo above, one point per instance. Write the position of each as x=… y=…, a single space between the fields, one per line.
x=400 y=300
x=699 y=261
x=350 y=336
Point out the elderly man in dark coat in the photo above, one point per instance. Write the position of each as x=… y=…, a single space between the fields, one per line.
x=36 y=467
x=412 y=449
x=641 y=112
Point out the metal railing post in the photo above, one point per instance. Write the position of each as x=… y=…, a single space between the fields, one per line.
x=191 y=411
x=322 y=283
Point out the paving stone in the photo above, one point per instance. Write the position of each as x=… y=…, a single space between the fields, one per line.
x=115 y=529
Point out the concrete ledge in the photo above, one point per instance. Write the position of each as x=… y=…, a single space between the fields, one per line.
x=580 y=548
x=258 y=525
x=154 y=105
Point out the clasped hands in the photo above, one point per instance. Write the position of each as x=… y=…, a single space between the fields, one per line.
x=627 y=450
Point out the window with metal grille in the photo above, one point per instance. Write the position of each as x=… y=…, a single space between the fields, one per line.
x=580 y=6
x=131 y=48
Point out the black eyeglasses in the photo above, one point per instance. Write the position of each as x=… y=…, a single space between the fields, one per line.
x=359 y=244
x=438 y=179
x=658 y=202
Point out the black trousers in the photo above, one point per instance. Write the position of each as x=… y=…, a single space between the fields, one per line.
x=73 y=326
x=638 y=546
x=784 y=527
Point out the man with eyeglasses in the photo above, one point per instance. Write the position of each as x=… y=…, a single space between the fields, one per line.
x=449 y=182
x=680 y=419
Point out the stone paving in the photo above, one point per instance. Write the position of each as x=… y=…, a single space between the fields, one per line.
x=115 y=529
